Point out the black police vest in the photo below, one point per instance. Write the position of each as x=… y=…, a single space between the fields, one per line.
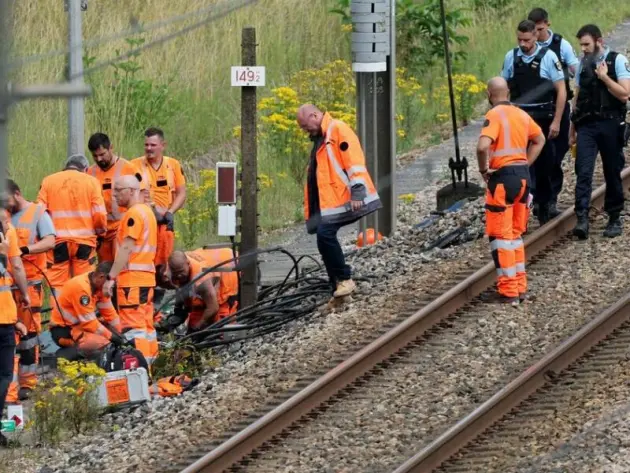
x=528 y=87
x=555 y=46
x=594 y=99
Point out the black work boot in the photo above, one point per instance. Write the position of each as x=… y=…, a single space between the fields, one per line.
x=613 y=229
x=543 y=214
x=553 y=210
x=581 y=227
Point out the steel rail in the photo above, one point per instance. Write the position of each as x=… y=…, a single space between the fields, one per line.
x=518 y=390
x=253 y=436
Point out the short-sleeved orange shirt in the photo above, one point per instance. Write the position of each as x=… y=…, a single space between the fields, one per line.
x=8 y=309
x=510 y=129
x=140 y=225
x=162 y=181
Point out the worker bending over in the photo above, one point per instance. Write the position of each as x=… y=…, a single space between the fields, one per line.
x=11 y=271
x=504 y=156
x=108 y=168
x=212 y=297
x=134 y=269
x=165 y=191
x=36 y=236
x=74 y=323
x=75 y=203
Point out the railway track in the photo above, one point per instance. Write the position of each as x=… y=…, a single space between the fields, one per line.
x=407 y=340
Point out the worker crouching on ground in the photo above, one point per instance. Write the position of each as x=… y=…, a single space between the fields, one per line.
x=211 y=298
x=504 y=156
x=36 y=236
x=133 y=269
x=75 y=203
x=74 y=325
x=338 y=190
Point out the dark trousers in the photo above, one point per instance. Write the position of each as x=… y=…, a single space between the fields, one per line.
x=562 y=147
x=332 y=255
x=605 y=136
x=7 y=353
x=541 y=171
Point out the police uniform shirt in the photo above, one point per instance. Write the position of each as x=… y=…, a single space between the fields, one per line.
x=567 y=53
x=622 y=67
x=550 y=67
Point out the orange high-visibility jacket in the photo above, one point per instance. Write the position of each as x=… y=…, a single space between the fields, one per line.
x=510 y=129
x=138 y=223
x=79 y=303
x=26 y=229
x=8 y=309
x=121 y=168
x=202 y=259
x=161 y=182
x=341 y=177
x=76 y=206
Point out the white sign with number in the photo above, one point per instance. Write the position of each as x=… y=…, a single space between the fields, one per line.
x=244 y=76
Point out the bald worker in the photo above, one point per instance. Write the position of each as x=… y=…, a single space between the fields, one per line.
x=504 y=156
x=338 y=190
x=134 y=267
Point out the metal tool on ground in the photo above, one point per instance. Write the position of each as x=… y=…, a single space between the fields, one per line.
x=450 y=194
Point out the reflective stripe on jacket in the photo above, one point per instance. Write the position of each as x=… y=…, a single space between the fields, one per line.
x=140 y=268
x=75 y=203
x=341 y=177
x=26 y=228
x=107 y=178
x=168 y=190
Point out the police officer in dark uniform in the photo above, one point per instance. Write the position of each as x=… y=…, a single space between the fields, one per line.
x=598 y=124
x=569 y=61
x=534 y=75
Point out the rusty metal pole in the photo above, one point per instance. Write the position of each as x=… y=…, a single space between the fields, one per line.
x=249 y=184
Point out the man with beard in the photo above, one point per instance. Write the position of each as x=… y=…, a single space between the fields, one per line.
x=565 y=52
x=107 y=169
x=602 y=89
x=536 y=81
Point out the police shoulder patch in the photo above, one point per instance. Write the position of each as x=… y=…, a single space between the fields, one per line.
x=558 y=65
x=344 y=146
x=130 y=222
x=486 y=123
x=84 y=301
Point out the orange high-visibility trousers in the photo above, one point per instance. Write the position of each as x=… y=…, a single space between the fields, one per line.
x=12 y=393
x=135 y=309
x=506 y=221
x=107 y=251
x=75 y=337
x=225 y=310
x=28 y=346
x=165 y=245
x=67 y=260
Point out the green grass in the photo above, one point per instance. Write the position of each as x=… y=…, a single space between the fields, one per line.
x=204 y=108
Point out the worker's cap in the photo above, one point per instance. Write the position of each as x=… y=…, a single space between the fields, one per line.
x=77 y=161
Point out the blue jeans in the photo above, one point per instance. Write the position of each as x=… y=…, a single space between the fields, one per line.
x=332 y=255
x=7 y=353
x=605 y=136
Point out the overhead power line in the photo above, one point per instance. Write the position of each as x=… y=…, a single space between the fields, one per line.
x=138 y=28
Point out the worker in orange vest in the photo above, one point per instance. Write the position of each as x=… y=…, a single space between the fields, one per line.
x=338 y=190
x=504 y=156
x=134 y=268
x=36 y=236
x=213 y=296
x=107 y=169
x=74 y=324
x=74 y=201
x=11 y=271
x=165 y=192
